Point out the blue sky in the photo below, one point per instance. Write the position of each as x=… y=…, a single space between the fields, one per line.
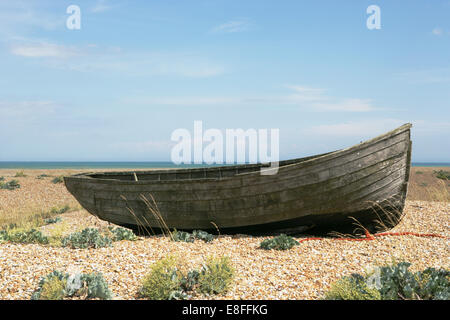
x=117 y=88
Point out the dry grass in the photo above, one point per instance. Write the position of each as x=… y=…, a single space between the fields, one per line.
x=423 y=185
x=34 y=200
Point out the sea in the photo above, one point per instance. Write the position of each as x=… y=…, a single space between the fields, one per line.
x=131 y=164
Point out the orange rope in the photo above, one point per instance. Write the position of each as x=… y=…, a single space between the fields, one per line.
x=369 y=236
x=430 y=235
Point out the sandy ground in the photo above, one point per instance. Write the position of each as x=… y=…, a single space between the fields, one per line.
x=304 y=272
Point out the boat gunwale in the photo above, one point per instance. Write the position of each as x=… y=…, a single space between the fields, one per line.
x=307 y=184
x=87 y=175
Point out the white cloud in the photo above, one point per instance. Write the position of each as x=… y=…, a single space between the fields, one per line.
x=43 y=49
x=356 y=128
x=185 y=101
x=369 y=128
x=101 y=6
x=316 y=100
x=23 y=16
x=232 y=26
x=346 y=105
x=25 y=108
x=94 y=58
x=312 y=99
x=142 y=64
x=430 y=76
x=305 y=94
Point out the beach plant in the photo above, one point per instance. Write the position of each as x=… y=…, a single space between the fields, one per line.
x=182 y=236
x=202 y=235
x=434 y=284
x=119 y=234
x=352 y=287
x=190 y=280
x=393 y=282
x=2 y=178
x=57 y=286
x=442 y=174
x=281 y=242
x=25 y=236
x=3 y=235
x=60 y=210
x=20 y=174
x=163 y=282
x=58 y=179
x=397 y=282
x=42 y=176
x=216 y=275
x=51 y=287
x=95 y=286
x=10 y=185
x=190 y=237
x=52 y=220
x=87 y=238
x=57 y=233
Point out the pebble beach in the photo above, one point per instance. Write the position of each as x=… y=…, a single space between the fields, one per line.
x=304 y=272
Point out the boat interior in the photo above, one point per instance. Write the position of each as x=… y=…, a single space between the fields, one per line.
x=209 y=172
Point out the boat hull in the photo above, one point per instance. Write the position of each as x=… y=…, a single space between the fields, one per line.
x=365 y=184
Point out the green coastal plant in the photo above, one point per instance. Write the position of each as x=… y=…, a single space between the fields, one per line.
x=166 y=282
x=182 y=236
x=190 y=281
x=3 y=235
x=20 y=174
x=52 y=220
x=23 y=236
x=442 y=174
x=216 y=275
x=58 y=179
x=393 y=282
x=60 y=210
x=87 y=238
x=281 y=242
x=202 y=235
x=51 y=287
x=353 y=287
x=42 y=176
x=119 y=234
x=57 y=286
x=95 y=286
x=163 y=282
x=397 y=282
x=190 y=237
x=10 y=185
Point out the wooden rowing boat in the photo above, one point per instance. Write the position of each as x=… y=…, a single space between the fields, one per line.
x=329 y=192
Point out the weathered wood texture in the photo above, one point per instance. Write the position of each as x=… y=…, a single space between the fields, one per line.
x=364 y=182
